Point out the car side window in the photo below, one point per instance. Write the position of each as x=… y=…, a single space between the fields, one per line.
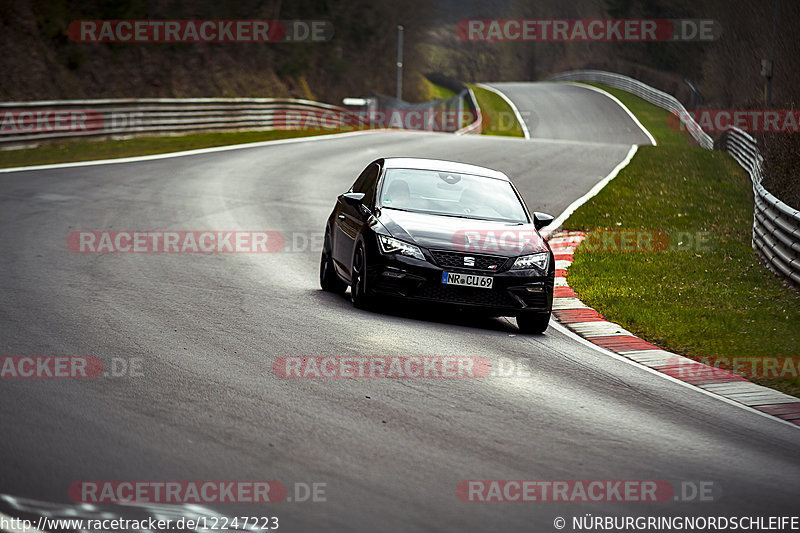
x=359 y=183
x=370 y=185
x=366 y=183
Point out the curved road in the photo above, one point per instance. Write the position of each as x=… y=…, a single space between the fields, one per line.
x=565 y=111
x=208 y=327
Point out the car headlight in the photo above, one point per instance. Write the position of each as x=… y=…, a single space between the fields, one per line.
x=532 y=261
x=391 y=245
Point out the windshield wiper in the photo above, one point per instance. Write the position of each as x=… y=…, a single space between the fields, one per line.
x=453 y=215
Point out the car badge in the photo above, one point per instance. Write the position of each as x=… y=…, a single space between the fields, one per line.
x=469 y=261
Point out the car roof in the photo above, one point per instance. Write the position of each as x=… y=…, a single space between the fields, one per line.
x=442 y=166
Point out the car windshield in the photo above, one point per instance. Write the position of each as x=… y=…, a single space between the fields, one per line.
x=451 y=194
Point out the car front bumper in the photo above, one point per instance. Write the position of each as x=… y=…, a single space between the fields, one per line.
x=513 y=291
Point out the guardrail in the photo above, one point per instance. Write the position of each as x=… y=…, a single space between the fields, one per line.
x=776 y=225
x=644 y=91
x=477 y=125
x=441 y=114
x=25 y=122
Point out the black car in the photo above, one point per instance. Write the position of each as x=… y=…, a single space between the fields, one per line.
x=438 y=231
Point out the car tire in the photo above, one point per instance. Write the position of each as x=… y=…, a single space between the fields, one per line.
x=535 y=323
x=358 y=287
x=328 y=279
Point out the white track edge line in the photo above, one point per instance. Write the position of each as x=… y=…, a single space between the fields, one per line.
x=569 y=333
x=574 y=336
x=555 y=224
x=196 y=151
x=525 y=131
x=623 y=106
x=570 y=141
x=593 y=191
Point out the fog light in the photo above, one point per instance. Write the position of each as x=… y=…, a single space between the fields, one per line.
x=390 y=274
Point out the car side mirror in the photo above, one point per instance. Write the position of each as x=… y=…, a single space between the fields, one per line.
x=353 y=198
x=541 y=220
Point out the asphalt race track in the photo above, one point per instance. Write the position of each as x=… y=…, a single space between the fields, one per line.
x=570 y=112
x=208 y=327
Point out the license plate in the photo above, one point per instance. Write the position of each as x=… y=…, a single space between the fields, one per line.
x=467 y=280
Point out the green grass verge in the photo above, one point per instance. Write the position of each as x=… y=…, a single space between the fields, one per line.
x=433 y=91
x=706 y=299
x=498 y=117
x=86 y=150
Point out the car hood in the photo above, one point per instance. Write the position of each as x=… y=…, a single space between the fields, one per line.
x=440 y=232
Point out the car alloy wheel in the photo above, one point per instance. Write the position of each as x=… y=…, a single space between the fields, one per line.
x=358 y=287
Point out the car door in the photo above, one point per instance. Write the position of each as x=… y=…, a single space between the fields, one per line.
x=350 y=219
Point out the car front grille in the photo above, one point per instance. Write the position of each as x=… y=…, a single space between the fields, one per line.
x=465 y=295
x=456 y=260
